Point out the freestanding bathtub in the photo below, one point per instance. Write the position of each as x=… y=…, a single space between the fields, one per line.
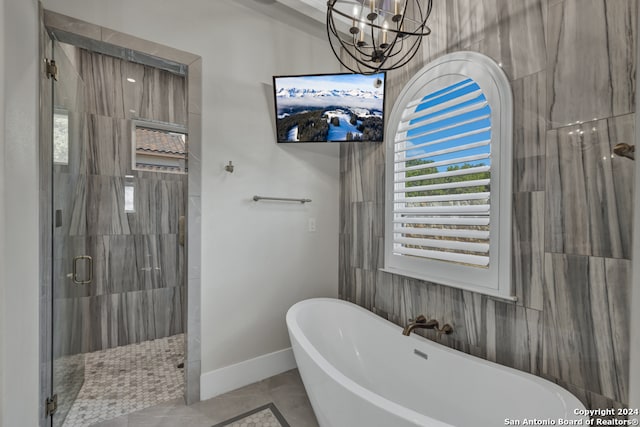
x=360 y=371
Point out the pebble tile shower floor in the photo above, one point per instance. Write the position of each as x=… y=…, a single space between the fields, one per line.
x=126 y=379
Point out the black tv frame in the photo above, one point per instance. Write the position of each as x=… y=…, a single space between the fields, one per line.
x=275 y=107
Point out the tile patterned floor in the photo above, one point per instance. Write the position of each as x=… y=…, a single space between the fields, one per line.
x=285 y=391
x=126 y=379
x=264 y=416
x=68 y=377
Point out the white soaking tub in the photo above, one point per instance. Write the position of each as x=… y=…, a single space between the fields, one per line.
x=360 y=371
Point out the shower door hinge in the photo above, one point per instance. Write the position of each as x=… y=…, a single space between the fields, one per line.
x=51 y=69
x=51 y=405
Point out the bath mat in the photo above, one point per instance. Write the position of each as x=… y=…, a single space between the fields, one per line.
x=264 y=416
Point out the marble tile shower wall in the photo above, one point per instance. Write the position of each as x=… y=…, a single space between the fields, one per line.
x=572 y=68
x=138 y=291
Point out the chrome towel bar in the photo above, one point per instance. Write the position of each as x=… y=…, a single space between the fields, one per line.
x=280 y=199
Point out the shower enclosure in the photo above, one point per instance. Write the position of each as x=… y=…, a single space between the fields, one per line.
x=117 y=172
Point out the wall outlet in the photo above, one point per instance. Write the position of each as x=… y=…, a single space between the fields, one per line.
x=312 y=225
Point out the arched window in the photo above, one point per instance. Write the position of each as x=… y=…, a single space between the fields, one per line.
x=448 y=176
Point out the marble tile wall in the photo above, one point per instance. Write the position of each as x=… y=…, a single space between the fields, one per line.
x=572 y=68
x=138 y=290
x=112 y=320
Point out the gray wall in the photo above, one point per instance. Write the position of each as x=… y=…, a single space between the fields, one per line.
x=20 y=293
x=2 y=237
x=138 y=291
x=572 y=68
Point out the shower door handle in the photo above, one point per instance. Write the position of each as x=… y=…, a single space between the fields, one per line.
x=75 y=270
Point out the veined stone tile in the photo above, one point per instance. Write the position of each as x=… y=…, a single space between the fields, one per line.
x=530 y=132
x=518 y=340
x=514 y=36
x=466 y=22
x=130 y=90
x=155 y=95
x=586 y=318
x=126 y=263
x=105 y=206
x=363 y=168
x=589 y=191
x=364 y=287
x=108 y=151
x=105 y=321
x=435 y=44
x=528 y=248
x=610 y=288
x=345 y=206
x=367 y=228
x=592 y=48
x=71 y=320
x=102 y=76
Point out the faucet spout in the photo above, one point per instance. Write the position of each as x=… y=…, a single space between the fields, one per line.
x=420 y=322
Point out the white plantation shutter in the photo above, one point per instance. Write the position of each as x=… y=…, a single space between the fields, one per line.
x=448 y=176
x=452 y=123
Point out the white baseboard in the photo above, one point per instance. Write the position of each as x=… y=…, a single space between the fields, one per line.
x=220 y=381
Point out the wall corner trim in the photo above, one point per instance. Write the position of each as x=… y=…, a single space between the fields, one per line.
x=228 y=378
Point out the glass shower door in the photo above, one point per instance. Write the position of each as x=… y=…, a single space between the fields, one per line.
x=72 y=273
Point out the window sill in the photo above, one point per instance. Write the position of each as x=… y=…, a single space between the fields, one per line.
x=483 y=291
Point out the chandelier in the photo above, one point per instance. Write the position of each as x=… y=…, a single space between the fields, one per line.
x=379 y=35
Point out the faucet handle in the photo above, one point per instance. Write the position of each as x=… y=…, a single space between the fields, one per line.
x=419 y=319
x=445 y=330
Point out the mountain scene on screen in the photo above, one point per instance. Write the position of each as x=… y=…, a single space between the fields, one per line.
x=330 y=108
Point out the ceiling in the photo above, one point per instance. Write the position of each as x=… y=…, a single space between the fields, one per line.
x=308 y=15
x=315 y=9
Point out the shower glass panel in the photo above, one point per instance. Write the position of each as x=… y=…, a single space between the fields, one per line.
x=72 y=267
x=118 y=233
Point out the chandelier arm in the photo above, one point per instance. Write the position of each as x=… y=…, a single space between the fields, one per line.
x=423 y=22
x=333 y=48
x=389 y=51
x=411 y=51
x=373 y=39
x=394 y=44
x=410 y=54
x=355 y=58
x=342 y=42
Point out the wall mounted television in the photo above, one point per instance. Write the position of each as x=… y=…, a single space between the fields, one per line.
x=329 y=107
